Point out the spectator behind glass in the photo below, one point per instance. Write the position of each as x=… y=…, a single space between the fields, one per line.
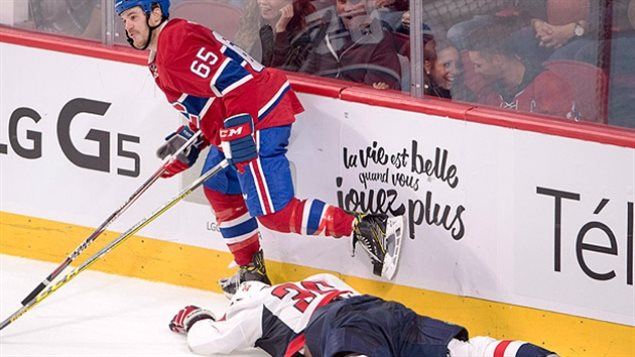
x=391 y=11
x=272 y=31
x=442 y=67
x=585 y=47
x=614 y=51
x=404 y=24
x=552 y=25
x=356 y=47
x=540 y=27
x=513 y=82
x=79 y=18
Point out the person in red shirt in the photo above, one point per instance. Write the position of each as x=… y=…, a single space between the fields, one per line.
x=515 y=83
x=244 y=111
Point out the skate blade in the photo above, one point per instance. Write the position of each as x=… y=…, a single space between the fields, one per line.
x=394 y=236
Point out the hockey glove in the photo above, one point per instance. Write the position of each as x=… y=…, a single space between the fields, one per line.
x=187 y=157
x=237 y=141
x=188 y=316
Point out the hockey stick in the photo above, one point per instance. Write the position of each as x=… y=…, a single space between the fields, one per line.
x=71 y=257
x=68 y=277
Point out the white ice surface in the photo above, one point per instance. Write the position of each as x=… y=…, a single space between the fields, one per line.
x=95 y=314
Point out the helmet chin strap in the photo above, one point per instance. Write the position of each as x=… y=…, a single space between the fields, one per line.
x=151 y=28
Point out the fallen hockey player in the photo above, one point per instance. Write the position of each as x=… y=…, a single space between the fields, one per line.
x=323 y=316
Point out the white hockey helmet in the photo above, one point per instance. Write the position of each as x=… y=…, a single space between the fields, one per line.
x=247 y=290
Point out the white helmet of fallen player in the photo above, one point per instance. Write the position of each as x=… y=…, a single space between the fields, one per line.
x=247 y=290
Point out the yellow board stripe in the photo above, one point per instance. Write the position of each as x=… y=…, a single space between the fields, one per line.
x=196 y=267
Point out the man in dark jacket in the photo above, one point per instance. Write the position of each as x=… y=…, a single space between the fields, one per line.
x=357 y=47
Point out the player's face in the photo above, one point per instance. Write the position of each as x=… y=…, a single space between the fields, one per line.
x=136 y=25
x=446 y=67
x=270 y=9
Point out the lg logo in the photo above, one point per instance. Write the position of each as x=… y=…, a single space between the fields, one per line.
x=99 y=162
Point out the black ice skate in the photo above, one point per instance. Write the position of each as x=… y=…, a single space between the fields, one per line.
x=380 y=236
x=253 y=271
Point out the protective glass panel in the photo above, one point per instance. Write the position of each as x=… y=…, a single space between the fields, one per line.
x=77 y=18
x=351 y=40
x=570 y=59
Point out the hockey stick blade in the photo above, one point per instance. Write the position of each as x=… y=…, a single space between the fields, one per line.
x=394 y=236
x=102 y=227
x=113 y=244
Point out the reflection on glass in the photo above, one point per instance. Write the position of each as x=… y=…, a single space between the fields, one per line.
x=275 y=32
x=586 y=49
x=79 y=18
x=352 y=42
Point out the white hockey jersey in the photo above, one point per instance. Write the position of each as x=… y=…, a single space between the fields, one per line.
x=272 y=319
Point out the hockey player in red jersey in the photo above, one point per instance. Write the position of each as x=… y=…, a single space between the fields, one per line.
x=323 y=316
x=245 y=112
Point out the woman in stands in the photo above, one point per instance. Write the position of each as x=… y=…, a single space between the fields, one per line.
x=440 y=66
x=443 y=70
x=272 y=30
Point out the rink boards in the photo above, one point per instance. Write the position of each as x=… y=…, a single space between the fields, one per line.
x=512 y=232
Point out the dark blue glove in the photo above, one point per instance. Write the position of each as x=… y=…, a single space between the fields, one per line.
x=237 y=141
x=187 y=157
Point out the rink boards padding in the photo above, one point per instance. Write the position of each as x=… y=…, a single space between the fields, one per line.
x=518 y=226
x=185 y=265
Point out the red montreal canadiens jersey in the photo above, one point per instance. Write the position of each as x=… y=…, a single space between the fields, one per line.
x=546 y=94
x=273 y=319
x=209 y=79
